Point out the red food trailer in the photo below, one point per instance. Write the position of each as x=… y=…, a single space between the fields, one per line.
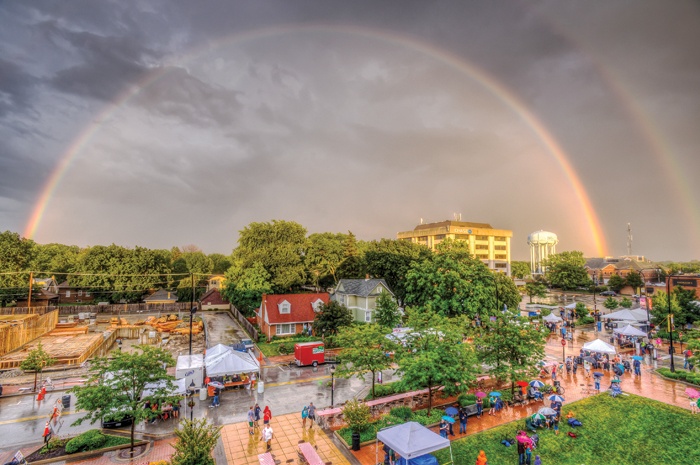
x=309 y=353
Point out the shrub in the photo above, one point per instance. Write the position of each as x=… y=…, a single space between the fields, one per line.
x=357 y=415
x=89 y=440
x=403 y=413
x=195 y=441
x=388 y=389
x=465 y=400
x=53 y=444
x=586 y=320
x=285 y=348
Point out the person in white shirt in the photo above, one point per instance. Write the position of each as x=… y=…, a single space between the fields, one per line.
x=267 y=436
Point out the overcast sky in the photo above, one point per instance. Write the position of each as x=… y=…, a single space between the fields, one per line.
x=180 y=122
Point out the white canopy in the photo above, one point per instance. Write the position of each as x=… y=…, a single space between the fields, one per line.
x=625 y=314
x=552 y=318
x=640 y=313
x=229 y=362
x=630 y=330
x=180 y=388
x=599 y=346
x=412 y=440
x=570 y=306
x=188 y=362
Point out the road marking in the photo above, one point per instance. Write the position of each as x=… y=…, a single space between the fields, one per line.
x=38 y=417
x=297 y=381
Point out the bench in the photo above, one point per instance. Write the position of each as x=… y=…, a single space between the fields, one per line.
x=310 y=455
x=266 y=459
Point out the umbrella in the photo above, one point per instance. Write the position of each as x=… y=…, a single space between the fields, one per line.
x=692 y=393
x=538 y=416
x=638 y=357
x=589 y=359
x=216 y=384
x=451 y=411
x=615 y=381
x=546 y=411
x=480 y=394
x=536 y=383
x=597 y=373
x=448 y=419
x=494 y=394
x=556 y=398
x=521 y=383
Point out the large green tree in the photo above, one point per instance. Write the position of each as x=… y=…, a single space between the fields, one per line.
x=452 y=282
x=55 y=260
x=325 y=252
x=117 y=386
x=387 y=312
x=353 y=263
x=660 y=309
x=278 y=246
x=435 y=356
x=566 y=270
x=365 y=350
x=520 y=270
x=244 y=288
x=16 y=256
x=391 y=259
x=36 y=361
x=512 y=346
x=220 y=263
x=535 y=289
x=635 y=280
x=331 y=318
x=616 y=282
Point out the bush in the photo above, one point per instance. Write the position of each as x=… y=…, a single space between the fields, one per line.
x=285 y=348
x=357 y=415
x=586 y=320
x=403 y=413
x=682 y=375
x=89 y=440
x=388 y=389
x=465 y=400
x=195 y=441
x=53 y=444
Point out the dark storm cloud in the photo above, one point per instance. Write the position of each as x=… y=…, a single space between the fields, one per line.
x=16 y=87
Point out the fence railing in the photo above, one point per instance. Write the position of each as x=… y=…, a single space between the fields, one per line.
x=250 y=329
x=110 y=309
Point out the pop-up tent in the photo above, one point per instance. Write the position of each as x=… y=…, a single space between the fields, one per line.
x=625 y=314
x=227 y=361
x=599 y=346
x=552 y=318
x=411 y=440
x=180 y=388
x=630 y=330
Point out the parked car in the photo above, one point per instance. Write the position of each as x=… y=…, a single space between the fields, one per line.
x=116 y=420
x=608 y=293
x=248 y=343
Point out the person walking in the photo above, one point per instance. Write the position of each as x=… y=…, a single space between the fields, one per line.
x=267 y=415
x=554 y=372
x=587 y=368
x=492 y=410
x=637 y=367
x=304 y=416
x=257 y=412
x=312 y=414
x=479 y=406
x=251 y=421
x=443 y=429
x=521 y=450
x=693 y=405
x=215 y=401
x=463 y=421
x=266 y=436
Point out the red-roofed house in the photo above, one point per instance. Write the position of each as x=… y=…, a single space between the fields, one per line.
x=212 y=300
x=289 y=314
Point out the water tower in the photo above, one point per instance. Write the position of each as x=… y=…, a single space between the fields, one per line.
x=542 y=245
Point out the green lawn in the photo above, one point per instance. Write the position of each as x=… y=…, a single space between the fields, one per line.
x=627 y=430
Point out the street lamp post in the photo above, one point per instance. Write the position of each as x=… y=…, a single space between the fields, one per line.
x=332 y=385
x=190 y=403
x=595 y=305
x=670 y=322
x=193 y=310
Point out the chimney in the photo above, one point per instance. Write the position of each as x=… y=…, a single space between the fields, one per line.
x=367 y=277
x=168 y=294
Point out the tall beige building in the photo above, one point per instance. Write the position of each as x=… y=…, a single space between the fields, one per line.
x=491 y=246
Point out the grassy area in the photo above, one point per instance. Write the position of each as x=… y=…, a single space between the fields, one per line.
x=627 y=430
x=284 y=345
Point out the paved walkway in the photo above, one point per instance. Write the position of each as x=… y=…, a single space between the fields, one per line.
x=243 y=448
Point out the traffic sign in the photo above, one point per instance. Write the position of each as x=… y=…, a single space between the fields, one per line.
x=563 y=342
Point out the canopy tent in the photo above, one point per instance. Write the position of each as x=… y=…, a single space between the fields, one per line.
x=571 y=306
x=179 y=390
x=625 y=314
x=640 y=313
x=412 y=440
x=230 y=362
x=190 y=367
x=217 y=350
x=599 y=346
x=552 y=318
x=630 y=330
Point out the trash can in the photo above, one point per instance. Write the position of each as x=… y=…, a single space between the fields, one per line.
x=355 y=441
x=261 y=387
x=202 y=394
x=66 y=401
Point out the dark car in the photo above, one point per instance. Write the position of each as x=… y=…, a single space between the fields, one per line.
x=116 y=420
x=609 y=293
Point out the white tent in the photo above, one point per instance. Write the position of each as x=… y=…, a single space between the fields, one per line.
x=571 y=306
x=625 y=314
x=190 y=367
x=640 y=313
x=630 y=330
x=230 y=362
x=180 y=387
x=552 y=318
x=218 y=350
x=599 y=346
x=412 y=440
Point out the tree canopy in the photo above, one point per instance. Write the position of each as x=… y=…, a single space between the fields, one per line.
x=566 y=270
x=36 y=361
x=331 y=318
x=616 y=282
x=244 y=288
x=387 y=311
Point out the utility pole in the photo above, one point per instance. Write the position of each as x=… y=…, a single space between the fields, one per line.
x=29 y=298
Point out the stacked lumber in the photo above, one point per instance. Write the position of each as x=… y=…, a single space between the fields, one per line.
x=69 y=331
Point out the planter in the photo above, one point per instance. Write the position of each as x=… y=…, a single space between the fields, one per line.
x=84 y=455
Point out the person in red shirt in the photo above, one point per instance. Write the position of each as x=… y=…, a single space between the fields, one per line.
x=267 y=415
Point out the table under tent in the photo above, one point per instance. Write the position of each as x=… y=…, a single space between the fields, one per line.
x=413 y=442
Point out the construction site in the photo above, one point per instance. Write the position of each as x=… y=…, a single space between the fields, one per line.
x=74 y=339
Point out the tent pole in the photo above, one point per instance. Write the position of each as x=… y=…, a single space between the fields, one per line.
x=376 y=450
x=452 y=460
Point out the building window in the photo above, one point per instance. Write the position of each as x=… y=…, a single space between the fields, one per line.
x=80 y=293
x=500 y=257
x=482 y=238
x=462 y=237
x=284 y=329
x=500 y=247
x=67 y=293
x=482 y=246
x=285 y=307
x=500 y=238
x=368 y=316
x=87 y=293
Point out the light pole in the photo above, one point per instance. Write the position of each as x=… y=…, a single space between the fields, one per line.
x=332 y=384
x=646 y=297
x=670 y=322
x=190 y=403
x=595 y=304
x=193 y=310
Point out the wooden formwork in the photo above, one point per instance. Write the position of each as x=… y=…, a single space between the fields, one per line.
x=18 y=330
x=67 y=350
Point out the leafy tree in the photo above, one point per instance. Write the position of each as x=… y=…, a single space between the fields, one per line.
x=660 y=309
x=452 y=282
x=391 y=259
x=36 y=361
x=581 y=310
x=16 y=255
x=331 y=317
x=117 y=387
x=626 y=303
x=520 y=270
x=387 y=312
x=634 y=280
x=535 y=289
x=566 y=270
x=689 y=312
x=352 y=265
x=278 y=246
x=55 y=260
x=436 y=356
x=512 y=346
x=325 y=252
x=245 y=288
x=195 y=441
x=610 y=303
x=616 y=282
x=220 y=263
x=365 y=350
x=357 y=415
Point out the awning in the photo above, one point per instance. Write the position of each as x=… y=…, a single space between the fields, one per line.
x=230 y=362
x=599 y=346
x=412 y=440
x=552 y=318
x=630 y=330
